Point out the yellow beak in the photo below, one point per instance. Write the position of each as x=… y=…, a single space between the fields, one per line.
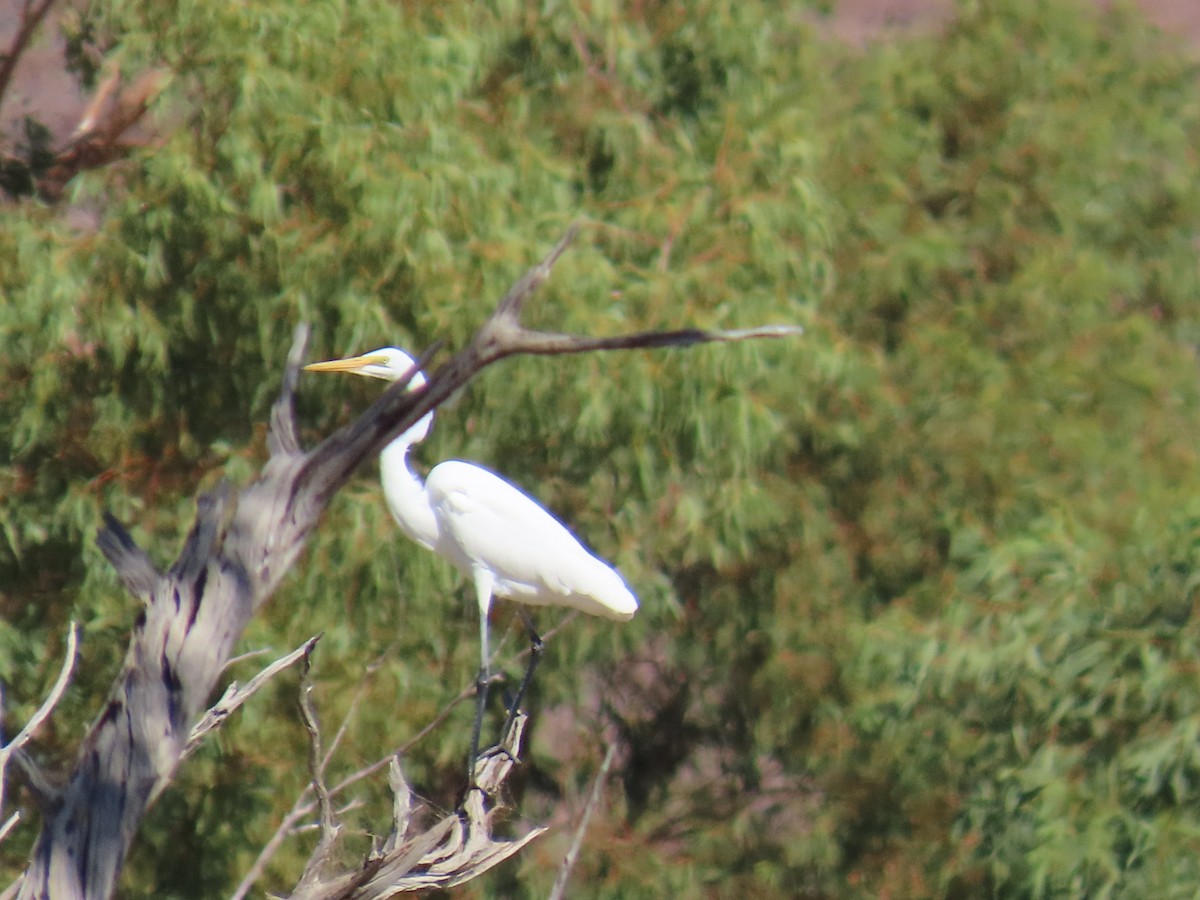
x=351 y=364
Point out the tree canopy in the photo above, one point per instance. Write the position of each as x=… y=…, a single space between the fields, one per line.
x=917 y=590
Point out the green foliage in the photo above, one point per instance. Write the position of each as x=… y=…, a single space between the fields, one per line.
x=918 y=590
x=1014 y=271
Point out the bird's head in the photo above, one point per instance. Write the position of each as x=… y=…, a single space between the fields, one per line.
x=389 y=364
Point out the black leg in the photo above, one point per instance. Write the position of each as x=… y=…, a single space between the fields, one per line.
x=535 y=656
x=483 y=592
x=481 y=692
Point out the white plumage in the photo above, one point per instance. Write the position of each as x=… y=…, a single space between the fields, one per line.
x=503 y=540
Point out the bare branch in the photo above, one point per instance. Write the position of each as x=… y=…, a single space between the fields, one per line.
x=510 y=305
x=43 y=712
x=235 y=695
x=14 y=748
x=454 y=850
x=103 y=133
x=564 y=873
x=9 y=825
x=540 y=343
x=304 y=805
x=134 y=567
x=318 y=862
x=283 y=439
x=32 y=15
x=351 y=712
x=503 y=335
x=299 y=810
x=100 y=98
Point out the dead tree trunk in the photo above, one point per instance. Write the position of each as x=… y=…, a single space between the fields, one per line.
x=238 y=550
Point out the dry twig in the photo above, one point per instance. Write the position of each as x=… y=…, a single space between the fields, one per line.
x=304 y=805
x=235 y=695
x=13 y=749
x=319 y=860
x=558 y=891
x=453 y=850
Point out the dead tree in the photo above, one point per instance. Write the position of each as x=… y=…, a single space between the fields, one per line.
x=238 y=550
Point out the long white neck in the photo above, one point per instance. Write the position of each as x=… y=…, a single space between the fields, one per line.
x=405 y=491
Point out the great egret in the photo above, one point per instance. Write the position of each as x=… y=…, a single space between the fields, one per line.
x=497 y=535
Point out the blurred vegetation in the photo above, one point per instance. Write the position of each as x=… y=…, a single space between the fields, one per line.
x=918 y=590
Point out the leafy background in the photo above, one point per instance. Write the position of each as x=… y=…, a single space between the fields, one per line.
x=918 y=589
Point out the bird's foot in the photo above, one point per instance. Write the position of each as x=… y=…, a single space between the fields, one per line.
x=498 y=750
x=490 y=767
x=506 y=730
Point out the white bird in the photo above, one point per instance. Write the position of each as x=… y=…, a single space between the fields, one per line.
x=498 y=536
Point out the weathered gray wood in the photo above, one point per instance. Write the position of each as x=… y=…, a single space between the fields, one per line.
x=137 y=572
x=239 y=549
x=453 y=850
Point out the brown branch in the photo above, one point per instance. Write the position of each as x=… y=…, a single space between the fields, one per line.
x=103 y=133
x=32 y=15
x=239 y=549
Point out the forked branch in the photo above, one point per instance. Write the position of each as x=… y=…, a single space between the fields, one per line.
x=453 y=850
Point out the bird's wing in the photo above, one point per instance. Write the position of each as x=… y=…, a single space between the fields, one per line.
x=533 y=557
